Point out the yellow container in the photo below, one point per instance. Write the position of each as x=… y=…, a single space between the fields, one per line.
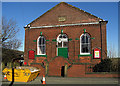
x=22 y=73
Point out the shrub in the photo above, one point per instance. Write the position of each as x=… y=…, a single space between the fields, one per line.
x=103 y=66
x=115 y=64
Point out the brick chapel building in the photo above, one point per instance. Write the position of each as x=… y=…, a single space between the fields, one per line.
x=65 y=41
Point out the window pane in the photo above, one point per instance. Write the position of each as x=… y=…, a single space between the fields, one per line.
x=85 y=48
x=39 y=50
x=43 y=40
x=39 y=41
x=88 y=47
x=65 y=44
x=60 y=36
x=64 y=36
x=60 y=44
x=86 y=40
x=43 y=49
x=83 y=39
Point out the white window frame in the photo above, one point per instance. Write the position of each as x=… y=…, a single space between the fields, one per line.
x=81 y=46
x=38 y=49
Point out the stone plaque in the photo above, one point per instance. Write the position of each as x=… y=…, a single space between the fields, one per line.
x=62 y=18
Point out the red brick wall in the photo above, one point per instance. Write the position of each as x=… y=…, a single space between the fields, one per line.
x=76 y=71
x=55 y=66
x=85 y=59
x=72 y=32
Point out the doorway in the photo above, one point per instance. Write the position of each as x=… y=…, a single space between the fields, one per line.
x=62 y=45
x=63 y=71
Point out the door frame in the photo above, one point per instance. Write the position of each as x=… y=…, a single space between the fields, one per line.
x=62 y=40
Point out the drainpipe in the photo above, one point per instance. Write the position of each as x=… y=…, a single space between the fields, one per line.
x=101 y=37
x=100 y=22
x=28 y=47
x=27 y=28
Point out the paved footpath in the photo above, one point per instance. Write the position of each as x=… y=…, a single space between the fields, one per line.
x=67 y=80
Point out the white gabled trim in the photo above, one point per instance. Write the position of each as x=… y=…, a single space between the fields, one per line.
x=27 y=26
x=65 y=25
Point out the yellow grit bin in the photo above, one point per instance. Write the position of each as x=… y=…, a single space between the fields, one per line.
x=22 y=73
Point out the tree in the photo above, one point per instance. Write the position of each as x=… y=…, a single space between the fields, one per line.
x=112 y=52
x=8 y=54
x=9 y=31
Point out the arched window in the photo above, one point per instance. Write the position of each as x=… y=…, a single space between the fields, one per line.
x=62 y=40
x=41 y=45
x=85 y=44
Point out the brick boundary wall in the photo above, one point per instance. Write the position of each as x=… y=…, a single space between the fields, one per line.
x=98 y=75
x=102 y=75
x=74 y=71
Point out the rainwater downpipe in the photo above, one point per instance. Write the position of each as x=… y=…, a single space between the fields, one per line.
x=101 y=38
x=28 y=27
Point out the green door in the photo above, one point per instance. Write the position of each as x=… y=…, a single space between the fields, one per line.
x=63 y=52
